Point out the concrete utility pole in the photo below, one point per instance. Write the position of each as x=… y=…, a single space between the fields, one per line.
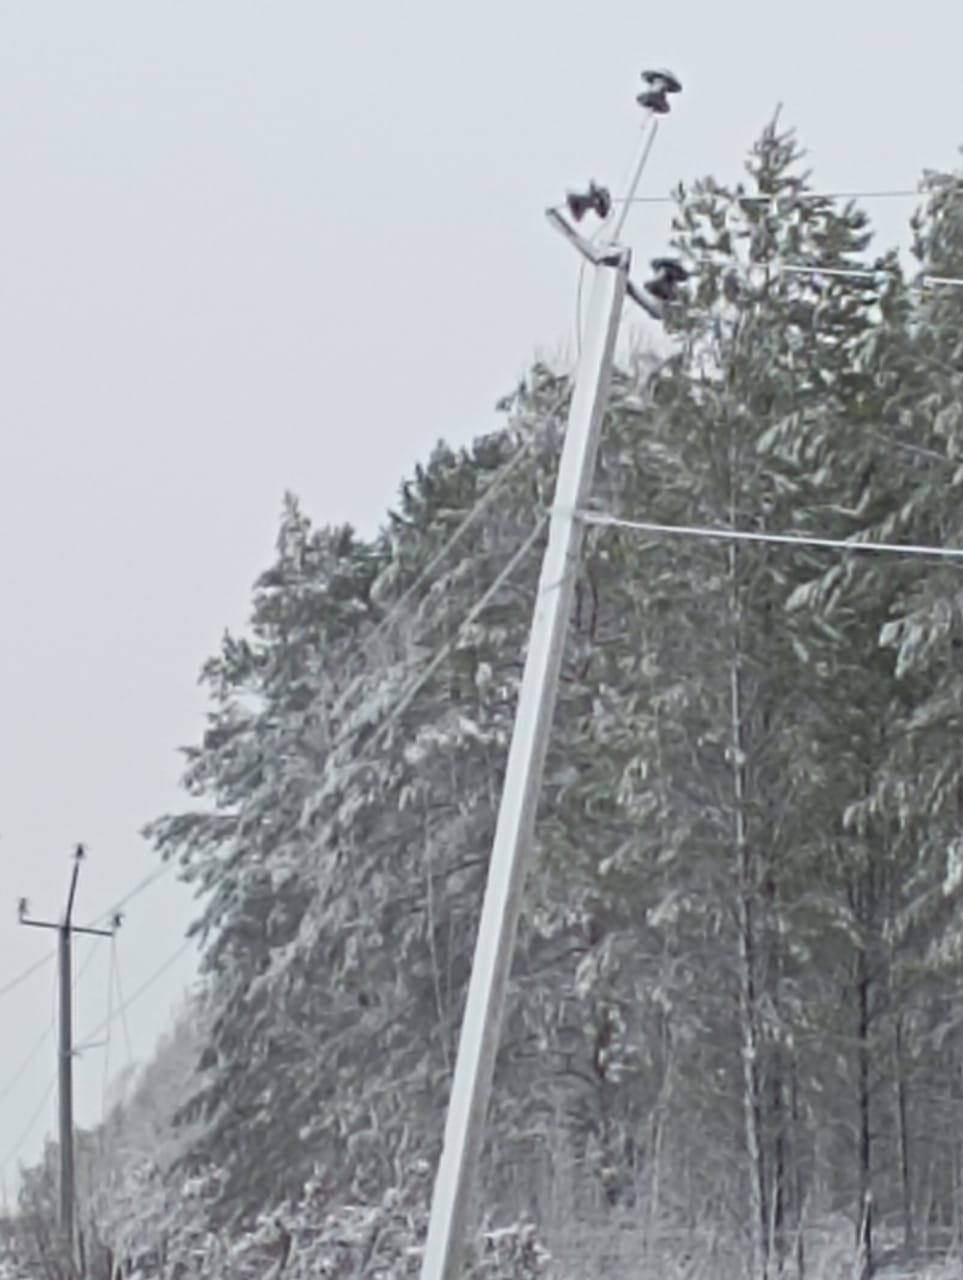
x=481 y=1025
x=65 y=931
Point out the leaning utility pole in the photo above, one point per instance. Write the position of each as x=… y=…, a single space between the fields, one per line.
x=65 y=931
x=481 y=1024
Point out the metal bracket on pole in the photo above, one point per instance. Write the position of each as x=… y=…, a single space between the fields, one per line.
x=598 y=255
x=651 y=297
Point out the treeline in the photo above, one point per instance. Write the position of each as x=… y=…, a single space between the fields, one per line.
x=736 y=1018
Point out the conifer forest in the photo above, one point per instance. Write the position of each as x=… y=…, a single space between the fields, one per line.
x=734 y=1040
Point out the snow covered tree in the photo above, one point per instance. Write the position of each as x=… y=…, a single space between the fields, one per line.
x=737 y=934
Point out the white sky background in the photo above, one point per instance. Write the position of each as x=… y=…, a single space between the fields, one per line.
x=249 y=247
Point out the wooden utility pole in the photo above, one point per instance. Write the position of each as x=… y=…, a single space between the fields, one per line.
x=65 y=930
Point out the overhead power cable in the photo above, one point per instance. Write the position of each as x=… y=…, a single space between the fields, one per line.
x=26 y=1064
x=138 y=889
x=27 y=973
x=869 y=273
x=442 y=653
x=803 y=196
x=125 y=1026
x=108 y=1019
x=38 y=1044
x=858 y=273
x=33 y=1051
x=140 y=991
x=25 y=1134
x=779 y=539
x=488 y=496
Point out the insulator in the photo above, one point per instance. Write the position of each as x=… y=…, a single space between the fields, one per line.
x=669 y=275
x=596 y=198
x=661 y=288
x=654 y=100
x=662 y=81
x=670 y=267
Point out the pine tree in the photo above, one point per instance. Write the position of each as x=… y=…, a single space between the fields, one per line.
x=243 y=845
x=729 y=766
x=915 y=791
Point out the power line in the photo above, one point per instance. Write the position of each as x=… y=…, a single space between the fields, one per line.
x=138 y=889
x=862 y=273
x=443 y=651
x=27 y=1062
x=38 y=1044
x=803 y=196
x=844 y=273
x=125 y=1026
x=142 y=989
x=29 y=1126
x=109 y=1018
x=21 y=1071
x=473 y=613
x=91 y=952
x=487 y=497
x=27 y=973
x=780 y=539
x=491 y=491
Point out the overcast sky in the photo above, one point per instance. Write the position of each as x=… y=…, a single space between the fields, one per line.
x=248 y=247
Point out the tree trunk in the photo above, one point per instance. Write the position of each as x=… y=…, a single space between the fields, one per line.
x=904 y=1153
x=747 y=972
x=777 y=1212
x=865 y=1232
x=776 y=1085
x=797 y=1166
x=658 y=1131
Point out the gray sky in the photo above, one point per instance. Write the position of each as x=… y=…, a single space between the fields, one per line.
x=245 y=247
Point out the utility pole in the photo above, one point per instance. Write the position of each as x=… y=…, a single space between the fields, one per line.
x=482 y=1021
x=65 y=930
